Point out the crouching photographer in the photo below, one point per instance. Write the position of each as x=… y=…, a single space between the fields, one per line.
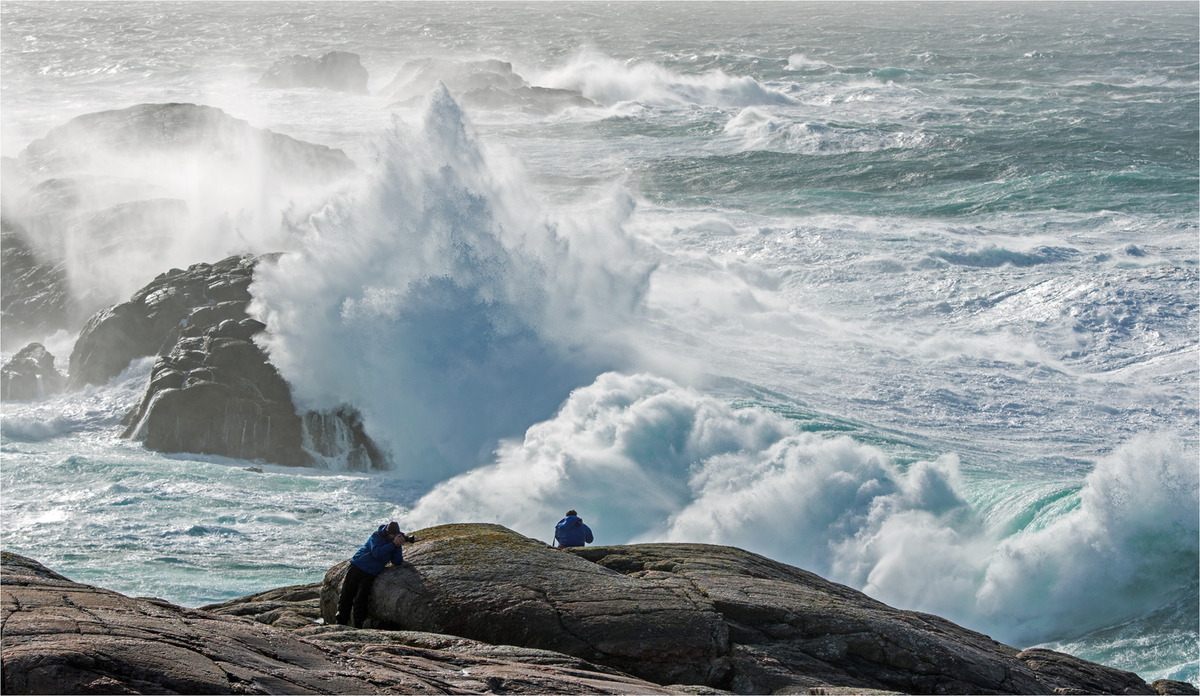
x=384 y=546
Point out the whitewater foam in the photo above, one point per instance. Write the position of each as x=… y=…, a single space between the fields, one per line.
x=644 y=459
x=612 y=83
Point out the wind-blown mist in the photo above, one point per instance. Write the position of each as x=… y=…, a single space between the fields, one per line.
x=644 y=459
x=120 y=196
x=443 y=304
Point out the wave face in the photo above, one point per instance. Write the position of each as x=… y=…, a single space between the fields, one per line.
x=907 y=299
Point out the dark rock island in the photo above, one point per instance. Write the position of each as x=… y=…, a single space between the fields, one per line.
x=477 y=608
x=338 y=71
x=30 y=375
x=213 y=389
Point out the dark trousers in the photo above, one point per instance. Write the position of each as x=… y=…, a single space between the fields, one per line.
x=356 y=590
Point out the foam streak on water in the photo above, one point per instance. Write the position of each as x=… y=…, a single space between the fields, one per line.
x=905 y=295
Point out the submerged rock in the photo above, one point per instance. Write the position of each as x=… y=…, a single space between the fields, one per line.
x=698 y=614
x=338 y=71
x=58 y=636
x=30 y=375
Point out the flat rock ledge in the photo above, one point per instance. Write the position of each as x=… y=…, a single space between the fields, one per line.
x=62 y=637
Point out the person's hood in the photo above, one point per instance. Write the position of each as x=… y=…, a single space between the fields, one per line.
x=568 y=522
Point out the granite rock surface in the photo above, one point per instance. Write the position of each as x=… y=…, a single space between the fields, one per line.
x=58 y=636
x=698 y=614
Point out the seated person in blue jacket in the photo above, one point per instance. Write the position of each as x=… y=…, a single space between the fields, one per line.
x=383 y=546
x=571 y=531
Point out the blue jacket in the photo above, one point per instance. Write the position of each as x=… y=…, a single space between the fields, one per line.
x=571 y=531
x=376 y=553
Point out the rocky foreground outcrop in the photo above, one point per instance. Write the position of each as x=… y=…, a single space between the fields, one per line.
x=702 y=615
x=58 y=636
x=480 y=609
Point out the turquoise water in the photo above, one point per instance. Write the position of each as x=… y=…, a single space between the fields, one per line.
x=904 y=294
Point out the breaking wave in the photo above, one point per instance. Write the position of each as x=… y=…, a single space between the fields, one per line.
x=610 y=82
x=755 y=129
x=644 y=459
x=444 y=304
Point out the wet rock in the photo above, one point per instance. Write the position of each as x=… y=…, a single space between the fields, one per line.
x=1067 y=674
x=102 y=202
x=698 y=614
x=213 y=390
x=217 y=393
x=34 y=293
x=155 y=317
x=338 y=71
x=30 y=375
x=58 y=636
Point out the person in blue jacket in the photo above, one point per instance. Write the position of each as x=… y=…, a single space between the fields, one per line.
x=383 y=546
x=571 y=531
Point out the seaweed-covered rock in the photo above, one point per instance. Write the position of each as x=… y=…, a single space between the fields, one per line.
x=699 y=614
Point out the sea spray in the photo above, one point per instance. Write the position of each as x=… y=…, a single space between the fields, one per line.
x=442 y=303
x=119 y=196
